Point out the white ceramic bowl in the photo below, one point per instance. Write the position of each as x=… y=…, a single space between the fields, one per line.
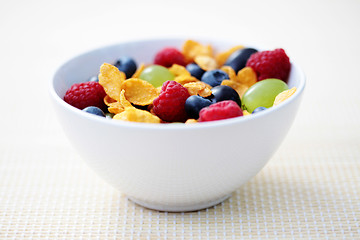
x=171 y=167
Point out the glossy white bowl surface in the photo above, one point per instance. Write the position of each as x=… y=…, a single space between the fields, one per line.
x=171 y=167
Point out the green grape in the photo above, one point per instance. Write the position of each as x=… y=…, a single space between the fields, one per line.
x=263 y=93
x=156 y=75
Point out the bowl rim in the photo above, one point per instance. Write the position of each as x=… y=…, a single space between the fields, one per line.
x=172 y=126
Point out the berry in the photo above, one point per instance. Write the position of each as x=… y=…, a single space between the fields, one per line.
x=195 y=70
x=223 y=92
x=170 y=105
x=214 y=77
x=194 y=104
x=237 y=60
x=82 y=95
x=221 y=110
x=127 y=65
x=169 y=56
x=258 y=109
x=270 y=64
x=94 y=110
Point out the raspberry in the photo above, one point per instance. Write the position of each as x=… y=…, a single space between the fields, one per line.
x=170 y=105
x=168 y=56
x=220 y=110
x=82 y=95
x=270 y=64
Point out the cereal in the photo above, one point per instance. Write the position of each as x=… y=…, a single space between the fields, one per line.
x=182 y=75
x=133 y=114
x=111 y=79
x=137 y=115
x=138 y=71
x=198 y=88
x=123 y=101
x=182 y=79
x=230 y=72
x=238 y=87
x=223 y=56
x=179 y=70
x=247 y=76
x=139 y=92
x=108 y=100
x=284 y=95
x=116 y=107
x=191 y=49
x=246 y=113
x=206 y=63
x=240 y=82
x=191 y=121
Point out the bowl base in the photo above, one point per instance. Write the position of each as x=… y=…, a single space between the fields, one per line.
x=186 y=208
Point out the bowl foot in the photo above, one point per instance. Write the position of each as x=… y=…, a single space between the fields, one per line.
x=179 y=208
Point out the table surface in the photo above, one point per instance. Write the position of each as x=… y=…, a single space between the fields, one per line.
x=311 y=187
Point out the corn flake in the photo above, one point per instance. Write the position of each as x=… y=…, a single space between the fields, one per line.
x=284 y=95
x=124 y=102
x=206 y=63
x=229 y=71
x=111 y=79
x=190 y=121
x=238 y=87
x=182 y=75
x=108 y=100
x=182 y=79
x=179 y=70
x=191 y=49
x=246 y=113
x=137 y=115
x=139 y=92
x=247 y=76
x=198 y=88
x=138 y=71
x=223 y=56
x=116 y=107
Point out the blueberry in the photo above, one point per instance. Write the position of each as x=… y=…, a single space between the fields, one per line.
x=93 y=79
x=194 y=104
x=195 y=70
x=95 y=111
x=126 y=65
x=223 y=92
x=237 y=60
x=214 y=77
x=259 y=109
